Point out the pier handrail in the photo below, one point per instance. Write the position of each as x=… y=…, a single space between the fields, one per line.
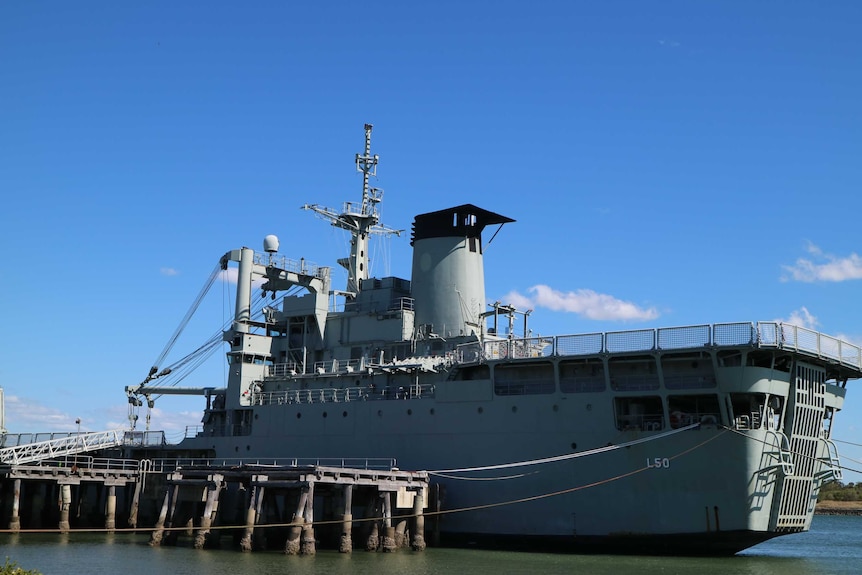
x=54 y=448
x=167 y=465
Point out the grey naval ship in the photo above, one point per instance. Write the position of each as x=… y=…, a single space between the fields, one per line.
x=701 y=439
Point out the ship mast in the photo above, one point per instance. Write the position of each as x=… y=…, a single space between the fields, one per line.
x=361 y=221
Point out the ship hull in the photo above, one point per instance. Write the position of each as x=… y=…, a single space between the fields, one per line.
x=560 y=478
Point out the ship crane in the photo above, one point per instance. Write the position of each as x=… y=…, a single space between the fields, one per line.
x=361 y=220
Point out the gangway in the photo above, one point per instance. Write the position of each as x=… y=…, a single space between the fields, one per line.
x=74 y=444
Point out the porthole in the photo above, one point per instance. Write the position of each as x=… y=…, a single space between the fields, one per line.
x=325 y=415
x=480 y=410
x=556 y=408
x=574 y=446
x=298 y=415
x=343 y=414
x=431 y=411
x=379 y=413
x=409 y=412
x=514 y=409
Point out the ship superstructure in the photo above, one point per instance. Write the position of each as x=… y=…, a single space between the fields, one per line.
x=701 y=439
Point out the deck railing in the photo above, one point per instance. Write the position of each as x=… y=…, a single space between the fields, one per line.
x=762 y=334
x=335 y=395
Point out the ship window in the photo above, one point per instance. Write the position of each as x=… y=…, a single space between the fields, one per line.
x=759 y=359
x=783 y=363
x=747 y=409
x=473 y=245
x=730 y=358
x=686 y=410
x=473 y=373
x=583 y=376
x=639 y=413
x=524 y=379
x=633 y=373
x=688 y=371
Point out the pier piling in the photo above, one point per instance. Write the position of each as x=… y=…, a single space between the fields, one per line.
x=418 y=543
x=111 y=509
x=159 y=531
x=65 y=501
x=246 y=542
x=292 y=545
x=15 y=518
x=308 y=544
x=345 y=544
x=212 y=490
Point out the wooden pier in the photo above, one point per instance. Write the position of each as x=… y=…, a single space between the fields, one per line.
x=290 y=505
x=47 y=494
x=294 y=507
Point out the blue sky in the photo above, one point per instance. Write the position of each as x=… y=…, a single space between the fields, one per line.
x=668 y=163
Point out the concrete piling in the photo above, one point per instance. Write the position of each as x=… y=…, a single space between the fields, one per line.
x=15 y=518
x=388 y=530
x=418 y=543
x=136 y=498
x=212 y=490
x=111 y=509
x=65 y=502
x=159 y=531
x=245 y=543
x=308 y=544
x=292 y=545
x=345 y=544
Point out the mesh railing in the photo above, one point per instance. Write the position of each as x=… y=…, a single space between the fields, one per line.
x=762 y=334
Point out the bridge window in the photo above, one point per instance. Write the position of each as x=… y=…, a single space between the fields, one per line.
x=688 y=371
x=687 y=410
x=633 y=373
x=748 y=409
x=524 y=379
x=582 y=376
x=639 y=413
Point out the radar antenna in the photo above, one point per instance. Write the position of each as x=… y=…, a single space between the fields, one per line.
x=361 y=221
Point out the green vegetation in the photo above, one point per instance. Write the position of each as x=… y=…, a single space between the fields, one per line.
x=11 y=568
x=837 y=491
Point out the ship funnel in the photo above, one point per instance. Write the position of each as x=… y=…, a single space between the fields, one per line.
x=448 y=273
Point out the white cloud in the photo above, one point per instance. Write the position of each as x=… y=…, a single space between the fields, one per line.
x=27 y=416
x=824 y=267
x=801 y=317
x=583 y=302
x=169 y=272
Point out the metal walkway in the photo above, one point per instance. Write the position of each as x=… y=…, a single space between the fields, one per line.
x=78 y=443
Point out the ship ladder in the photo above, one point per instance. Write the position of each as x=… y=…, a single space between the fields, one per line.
x=782 y=453
x=831 y=462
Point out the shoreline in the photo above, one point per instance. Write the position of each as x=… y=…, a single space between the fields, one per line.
x=838 y=508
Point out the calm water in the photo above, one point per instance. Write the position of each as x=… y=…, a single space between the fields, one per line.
x=832 y=547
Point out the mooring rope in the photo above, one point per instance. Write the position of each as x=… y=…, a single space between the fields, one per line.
x=566 y=457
